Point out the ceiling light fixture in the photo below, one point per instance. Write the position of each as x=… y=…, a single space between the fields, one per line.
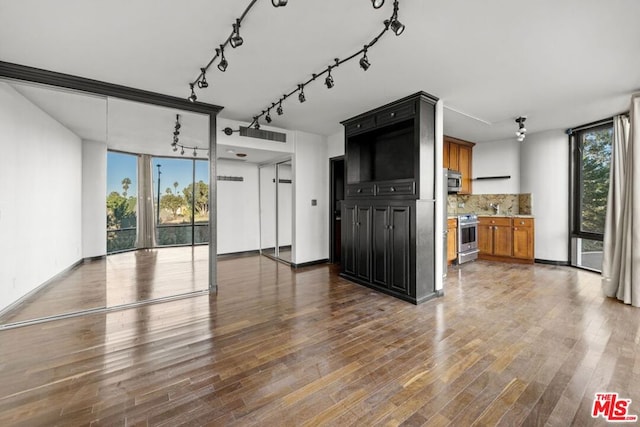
x=222 y=66
x=192 y=97
x=268 y=116
x=236 y=40
x=364 y=61
x=522 y=131
x=176 y=140
x=202 y=83
x=329 y=80
x=392 y=24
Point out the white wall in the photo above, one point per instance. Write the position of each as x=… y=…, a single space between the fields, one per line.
x=238 y=208
x=94 y=193
x=41 y=205
x=335 y=144
x=544 y=172
x=311 y=181
x=497 y=158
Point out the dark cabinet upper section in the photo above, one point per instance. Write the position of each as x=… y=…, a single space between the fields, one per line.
x=389 y=150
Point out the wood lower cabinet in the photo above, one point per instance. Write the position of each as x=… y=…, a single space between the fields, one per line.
x=506 y=239
x=452 y=240
x=523 y=238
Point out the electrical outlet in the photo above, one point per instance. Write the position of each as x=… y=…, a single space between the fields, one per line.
x=461 y=205
x=314 y=202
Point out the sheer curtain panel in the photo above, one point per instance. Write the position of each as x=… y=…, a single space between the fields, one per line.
x=621 y=256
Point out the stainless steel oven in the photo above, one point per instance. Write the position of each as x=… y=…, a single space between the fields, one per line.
x=467 y=238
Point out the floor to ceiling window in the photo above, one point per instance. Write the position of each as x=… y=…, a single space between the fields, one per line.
x=122 y=194
x=591 y=148
x=181 y=191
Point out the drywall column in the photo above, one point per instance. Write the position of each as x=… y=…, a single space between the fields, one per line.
x=441 y=200
x=310 y=183
x=544 y=172
x=94 y=195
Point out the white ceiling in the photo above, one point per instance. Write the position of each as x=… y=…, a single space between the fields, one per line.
x=560 y=63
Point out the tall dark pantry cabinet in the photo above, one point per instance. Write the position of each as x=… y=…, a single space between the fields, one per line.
x=388 y=216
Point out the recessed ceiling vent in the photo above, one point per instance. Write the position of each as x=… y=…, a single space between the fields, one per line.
x=263 y=134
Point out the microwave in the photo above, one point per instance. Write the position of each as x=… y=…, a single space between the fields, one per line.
x=454 y=181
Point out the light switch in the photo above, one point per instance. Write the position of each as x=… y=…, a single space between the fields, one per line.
x=314 y=202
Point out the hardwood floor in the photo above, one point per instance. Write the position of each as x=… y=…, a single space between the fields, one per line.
x=118 y=279
x=506 y=345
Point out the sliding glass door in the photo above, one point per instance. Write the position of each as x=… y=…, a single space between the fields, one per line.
x=181 y=201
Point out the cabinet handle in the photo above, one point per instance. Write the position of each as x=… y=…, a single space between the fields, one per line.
x=359 y=190
x=358 y=125
x=515 y=228
x=393 y=114
x=521 y=222
x=393 y=189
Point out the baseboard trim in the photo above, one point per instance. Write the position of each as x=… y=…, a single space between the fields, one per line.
x=242 y=254
x=310 y=263
x=550 y=262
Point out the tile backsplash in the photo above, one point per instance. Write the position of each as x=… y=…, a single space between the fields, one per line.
x=510 y=204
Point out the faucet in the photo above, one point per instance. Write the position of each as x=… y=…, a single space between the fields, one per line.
x=496 y=208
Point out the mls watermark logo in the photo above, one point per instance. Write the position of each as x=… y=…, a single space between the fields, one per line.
x=612 y=408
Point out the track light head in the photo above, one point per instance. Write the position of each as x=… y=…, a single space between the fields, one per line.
x=257 y=125
x=195 y=152
x=329 y=80
x=236 y=40
x=301 y=96
x=192 y=97
x=222 y=66
x=268 y=116
x=278 y=3
x=175 y=148
x=377 y=4
x=182 y=151
x=396 y=26
x=279 y=109
x=202 y=83
x=364 y=61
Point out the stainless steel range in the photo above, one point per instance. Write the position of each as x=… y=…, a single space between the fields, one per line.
x=467 y=238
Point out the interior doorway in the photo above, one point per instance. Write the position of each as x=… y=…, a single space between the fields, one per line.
x=336 y=185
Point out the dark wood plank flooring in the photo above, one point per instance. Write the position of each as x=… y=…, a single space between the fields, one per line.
x=507 y=345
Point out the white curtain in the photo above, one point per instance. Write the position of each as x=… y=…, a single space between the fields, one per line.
x=146 y=220
x=621 y=257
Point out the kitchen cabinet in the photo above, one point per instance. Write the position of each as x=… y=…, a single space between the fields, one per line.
x=506 y=239
x=523 y=238
x=356 y=229
x=458 y=155
x=452 y=240
x=388 y=218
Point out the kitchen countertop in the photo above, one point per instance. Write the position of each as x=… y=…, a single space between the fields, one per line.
x=449 y=216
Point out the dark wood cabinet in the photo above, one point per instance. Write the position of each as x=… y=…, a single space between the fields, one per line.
x=388 y=215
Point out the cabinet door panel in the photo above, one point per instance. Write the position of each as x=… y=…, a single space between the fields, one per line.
x=485 y=239
x=363 y=245
x=399 y=250
x=452 y=243
x=348 y=238
x=464 y=166
x=523 y=242
x=380 y=237
x=453 y=156
x=502 y=241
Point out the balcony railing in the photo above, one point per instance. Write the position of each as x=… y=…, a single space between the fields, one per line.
x=124 y=239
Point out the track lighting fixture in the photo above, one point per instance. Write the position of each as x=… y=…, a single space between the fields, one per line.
x=364 y=61
x=175 y=148
x=267 y=118
x=278 y=3
x=235 y=39
x=522 y=131
x=176 y=141
x=396 y=26
x=182 y=151
x=202 y=83
x=222 y=66
x=195 y=152
x=257 y=123
x=192 y=97
x=329 y=80
x=391 y=24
